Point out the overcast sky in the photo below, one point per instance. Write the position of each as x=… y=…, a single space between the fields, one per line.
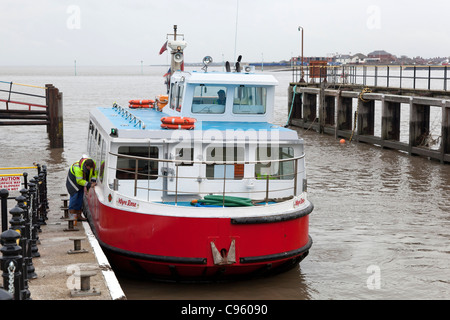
x=126 y=32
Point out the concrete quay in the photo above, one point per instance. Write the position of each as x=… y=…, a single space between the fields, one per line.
x=58 y=270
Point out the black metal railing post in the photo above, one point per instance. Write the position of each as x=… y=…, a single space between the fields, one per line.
x=11 y=263
x=4 y=208
x=19 y=216
x=33 y=219
x=27 y=256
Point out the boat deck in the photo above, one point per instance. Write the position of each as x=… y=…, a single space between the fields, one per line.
x=151 y=118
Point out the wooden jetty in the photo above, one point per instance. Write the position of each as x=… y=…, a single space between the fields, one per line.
x=19 y=113
x=348 y=111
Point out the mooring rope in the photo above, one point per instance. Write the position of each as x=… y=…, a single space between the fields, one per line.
x=292 y=106
x=363 y=91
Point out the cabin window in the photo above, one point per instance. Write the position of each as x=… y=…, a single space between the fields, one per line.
x=275 y=170
x=209 y=99
x=92 y=141
x=249 y=100
x=90 y=137
x=102 y=161
x=146 y=169
x=186 y=154
x=221 y=170
x=97 y=150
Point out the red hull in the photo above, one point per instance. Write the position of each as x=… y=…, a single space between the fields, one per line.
x=178 y=248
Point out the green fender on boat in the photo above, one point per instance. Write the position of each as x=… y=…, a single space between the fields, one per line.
x=229 y=201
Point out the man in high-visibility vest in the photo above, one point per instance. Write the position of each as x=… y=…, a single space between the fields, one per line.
x=82 y=174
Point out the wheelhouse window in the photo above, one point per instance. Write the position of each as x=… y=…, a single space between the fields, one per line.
x=146 y=169
x=173 y=96
x=176 y=96
x=249 y=100
x=180 y=97
x=220 y=170
x=209 y=99
x=278 y=170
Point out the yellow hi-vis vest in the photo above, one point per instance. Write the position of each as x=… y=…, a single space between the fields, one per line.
x=78 y=177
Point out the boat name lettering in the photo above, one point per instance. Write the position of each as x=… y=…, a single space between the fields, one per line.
x=127 y=203
x=298 y=201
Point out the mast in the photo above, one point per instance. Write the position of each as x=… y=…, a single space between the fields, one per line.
x=177 y=48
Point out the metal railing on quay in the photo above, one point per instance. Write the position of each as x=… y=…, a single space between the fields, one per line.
x=19 y=240
x=429 y=77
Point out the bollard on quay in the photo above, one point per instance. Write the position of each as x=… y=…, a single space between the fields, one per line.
x=85 y=285
x=11 y=263
x=77 y=245
x=71 y=223
x=65 y=207
x=4 y=208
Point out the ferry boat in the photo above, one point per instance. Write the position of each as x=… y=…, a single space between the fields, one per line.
x=199 y=184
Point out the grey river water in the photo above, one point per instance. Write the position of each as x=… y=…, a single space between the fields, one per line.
x=381 y=224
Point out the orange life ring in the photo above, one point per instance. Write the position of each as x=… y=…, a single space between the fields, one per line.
x=178 y=120
x=177 y=126
x=141 y=102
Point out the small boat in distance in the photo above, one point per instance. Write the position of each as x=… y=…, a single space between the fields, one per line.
x=199 y=184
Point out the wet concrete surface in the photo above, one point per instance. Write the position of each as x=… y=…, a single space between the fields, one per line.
x=58 y=270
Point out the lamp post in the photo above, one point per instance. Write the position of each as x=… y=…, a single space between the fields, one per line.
x=302 y=79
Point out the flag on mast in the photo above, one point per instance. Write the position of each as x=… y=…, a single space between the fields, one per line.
x=164 y=48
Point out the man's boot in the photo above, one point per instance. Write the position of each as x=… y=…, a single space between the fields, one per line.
x=79 y=216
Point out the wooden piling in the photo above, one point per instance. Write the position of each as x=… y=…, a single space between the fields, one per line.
x=419 y=124
x=309 y=107
x=55 y=128
x=390 y=121
x=366 y=117
x=344 y=113
x=330 y=109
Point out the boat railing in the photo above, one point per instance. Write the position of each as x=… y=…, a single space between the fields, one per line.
x=127 y=115
x=289 y=190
